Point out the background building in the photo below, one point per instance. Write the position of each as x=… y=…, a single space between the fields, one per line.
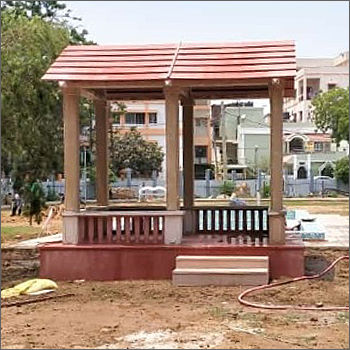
x=149 y=119
x=315 y=75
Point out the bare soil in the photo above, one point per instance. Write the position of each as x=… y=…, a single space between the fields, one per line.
x=155 y=314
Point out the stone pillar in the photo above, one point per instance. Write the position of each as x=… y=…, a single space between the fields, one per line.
x=172 y=148
x=174 y=222
x=276 y=213
x=71 y=164
x=188 y=164
x=101 y=152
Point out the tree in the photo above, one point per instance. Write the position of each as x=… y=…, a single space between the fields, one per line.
x=131 y=150
x=35 y=201
x=51 y=11
x=331 y=111
x=31 y=108
x=341 y=171
x=33 y=34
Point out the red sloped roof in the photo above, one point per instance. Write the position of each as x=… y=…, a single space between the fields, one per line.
x=251 y=60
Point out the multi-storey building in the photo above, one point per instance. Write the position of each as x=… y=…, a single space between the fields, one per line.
x=149 y=119
x=315 y=75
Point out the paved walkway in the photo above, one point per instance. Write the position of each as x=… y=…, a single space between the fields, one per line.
x=337 y=231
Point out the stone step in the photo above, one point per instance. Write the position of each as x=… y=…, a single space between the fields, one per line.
x=220 y=277
x=222 y=262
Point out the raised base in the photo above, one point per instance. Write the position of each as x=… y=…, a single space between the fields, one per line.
x=113 y=262
x=221 y=277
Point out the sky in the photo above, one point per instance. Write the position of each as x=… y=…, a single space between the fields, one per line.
x=319 y=28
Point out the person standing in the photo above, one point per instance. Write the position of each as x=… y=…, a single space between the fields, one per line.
x=16 y=205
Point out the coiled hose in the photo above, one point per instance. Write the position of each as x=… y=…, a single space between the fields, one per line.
x=286 y=307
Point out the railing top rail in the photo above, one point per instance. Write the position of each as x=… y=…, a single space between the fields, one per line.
x=123 y=213
x=233 y=207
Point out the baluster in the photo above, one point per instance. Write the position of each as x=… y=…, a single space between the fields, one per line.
x=261 y=221
x=252 y=220
x=244 y=226
x=213 y=217
x=137 y=229
x=127 y=228
x=100 y=229
x=221 y=221
x=236 y=220
x=109 y=229
x=119 y=229
x=91 y=229
x=146 y=229
x=81 y=237
x=205 y=220
x=156 y=229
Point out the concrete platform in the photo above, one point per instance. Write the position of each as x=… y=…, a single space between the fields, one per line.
x=101 y=262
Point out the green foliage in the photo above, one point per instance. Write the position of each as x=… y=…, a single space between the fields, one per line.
x=32 y=129
x=51 y=11
x=227 y=187
x=35 y=201
x=133 y=151
x=33 y=33
x=266 y=191
x=341 y=171
x=331 y=111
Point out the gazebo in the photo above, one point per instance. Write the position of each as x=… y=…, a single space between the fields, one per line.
x=102 y=243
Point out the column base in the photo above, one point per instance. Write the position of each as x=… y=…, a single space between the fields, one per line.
x=70 y=228
x=277 y=227
x=189 y=221
x=173 y=227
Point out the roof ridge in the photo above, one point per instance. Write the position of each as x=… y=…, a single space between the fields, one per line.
x=173 y=61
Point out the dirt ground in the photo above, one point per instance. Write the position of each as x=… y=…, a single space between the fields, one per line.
x=155 y=314
x=17 y=228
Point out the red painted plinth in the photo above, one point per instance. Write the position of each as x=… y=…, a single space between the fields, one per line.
x=116 y=262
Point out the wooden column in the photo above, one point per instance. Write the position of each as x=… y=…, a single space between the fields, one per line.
x=276 y=214
x=188 y=164
x=71 y=149
x=101 y=152
x=71 y=165
x=172 y=147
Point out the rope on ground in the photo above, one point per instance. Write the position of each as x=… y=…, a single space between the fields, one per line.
x=295 y=307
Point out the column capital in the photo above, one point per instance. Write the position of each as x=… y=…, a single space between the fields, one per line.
x=172 y=90
x=276 y=84
x=68 y=90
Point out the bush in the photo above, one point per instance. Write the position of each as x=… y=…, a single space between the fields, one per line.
x=35 y=201
x=227 y=187
x=266 y=191
x=341 y=171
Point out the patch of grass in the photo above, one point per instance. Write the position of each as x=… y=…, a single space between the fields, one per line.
x=9 y=233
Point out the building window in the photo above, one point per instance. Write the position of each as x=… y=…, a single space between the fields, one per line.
x=201 y=122
x=318 y=146
x=331 y=86
x=302 y=173
x=135 y=118
x=296 y=145
x=200 y=154
x=115 y=118
x=152 y=118
x=326 y=147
